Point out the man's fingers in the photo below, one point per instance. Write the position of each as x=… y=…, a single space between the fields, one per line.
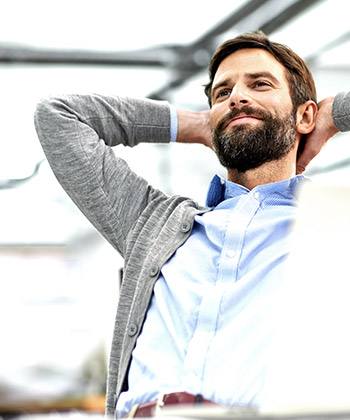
x=311 y=150
x=300 y=169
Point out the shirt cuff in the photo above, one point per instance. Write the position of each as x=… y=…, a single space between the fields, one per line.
x=173 y=123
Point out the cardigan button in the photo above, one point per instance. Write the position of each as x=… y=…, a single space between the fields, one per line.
x=185 y=227
x=132 y=329
x=154 y=271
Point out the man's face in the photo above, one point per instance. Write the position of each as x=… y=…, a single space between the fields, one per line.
x=251 y=114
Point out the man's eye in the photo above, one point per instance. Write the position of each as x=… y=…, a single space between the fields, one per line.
x=261 y=83
x=223 y=93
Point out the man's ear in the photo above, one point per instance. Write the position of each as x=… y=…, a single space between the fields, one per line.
x=306 y=117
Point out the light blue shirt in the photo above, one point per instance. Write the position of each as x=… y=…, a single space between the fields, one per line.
x=210 y=321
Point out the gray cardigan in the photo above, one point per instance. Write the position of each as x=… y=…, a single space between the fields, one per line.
x=145 y=225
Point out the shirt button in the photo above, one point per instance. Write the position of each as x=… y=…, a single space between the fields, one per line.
x=256 y=195
x=132 y=329
x=185 y=227
x=230 y=253
x=154 y=271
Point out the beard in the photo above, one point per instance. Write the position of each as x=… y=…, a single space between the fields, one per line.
x=243 y=147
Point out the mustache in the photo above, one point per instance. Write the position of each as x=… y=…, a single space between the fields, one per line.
x=245 y=110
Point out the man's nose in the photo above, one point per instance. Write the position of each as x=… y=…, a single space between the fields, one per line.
x=238 y=97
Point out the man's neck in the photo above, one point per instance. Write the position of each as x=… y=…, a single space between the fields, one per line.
x=274 y=171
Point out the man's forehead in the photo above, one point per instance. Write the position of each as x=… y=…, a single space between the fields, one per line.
x=250 y=61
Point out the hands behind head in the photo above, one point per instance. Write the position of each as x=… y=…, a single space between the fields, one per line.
x=323 y=131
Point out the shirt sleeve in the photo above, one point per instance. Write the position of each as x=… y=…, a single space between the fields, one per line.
x=341 y=111
x=173 y=124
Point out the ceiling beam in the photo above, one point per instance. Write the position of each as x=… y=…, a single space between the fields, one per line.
x=246 y=10
x=27 y=55
x=287 y=14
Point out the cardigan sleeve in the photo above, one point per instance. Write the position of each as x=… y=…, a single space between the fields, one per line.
x=77 y=133
x=341 y=111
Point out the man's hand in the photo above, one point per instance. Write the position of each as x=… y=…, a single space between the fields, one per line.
x=323 y=131
x=193 y=127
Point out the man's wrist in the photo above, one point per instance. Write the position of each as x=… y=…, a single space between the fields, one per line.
x=193 y=127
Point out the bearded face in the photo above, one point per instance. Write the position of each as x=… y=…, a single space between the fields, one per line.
x=246 y=146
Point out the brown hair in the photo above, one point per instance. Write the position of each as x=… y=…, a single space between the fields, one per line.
x=300 y=80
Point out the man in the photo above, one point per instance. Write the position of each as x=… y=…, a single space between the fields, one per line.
x=194 y=310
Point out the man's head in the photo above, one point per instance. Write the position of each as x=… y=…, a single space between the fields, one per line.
x=262 y=99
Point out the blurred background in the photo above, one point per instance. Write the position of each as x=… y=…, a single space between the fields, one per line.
x=59 y=279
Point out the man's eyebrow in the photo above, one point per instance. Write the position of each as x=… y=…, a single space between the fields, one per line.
x=259 y=74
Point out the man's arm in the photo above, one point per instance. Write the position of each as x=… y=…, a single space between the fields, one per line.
x=76 y=133
x=333 y=115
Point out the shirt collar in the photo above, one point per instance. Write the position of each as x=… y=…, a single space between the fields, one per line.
x=221 y=189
